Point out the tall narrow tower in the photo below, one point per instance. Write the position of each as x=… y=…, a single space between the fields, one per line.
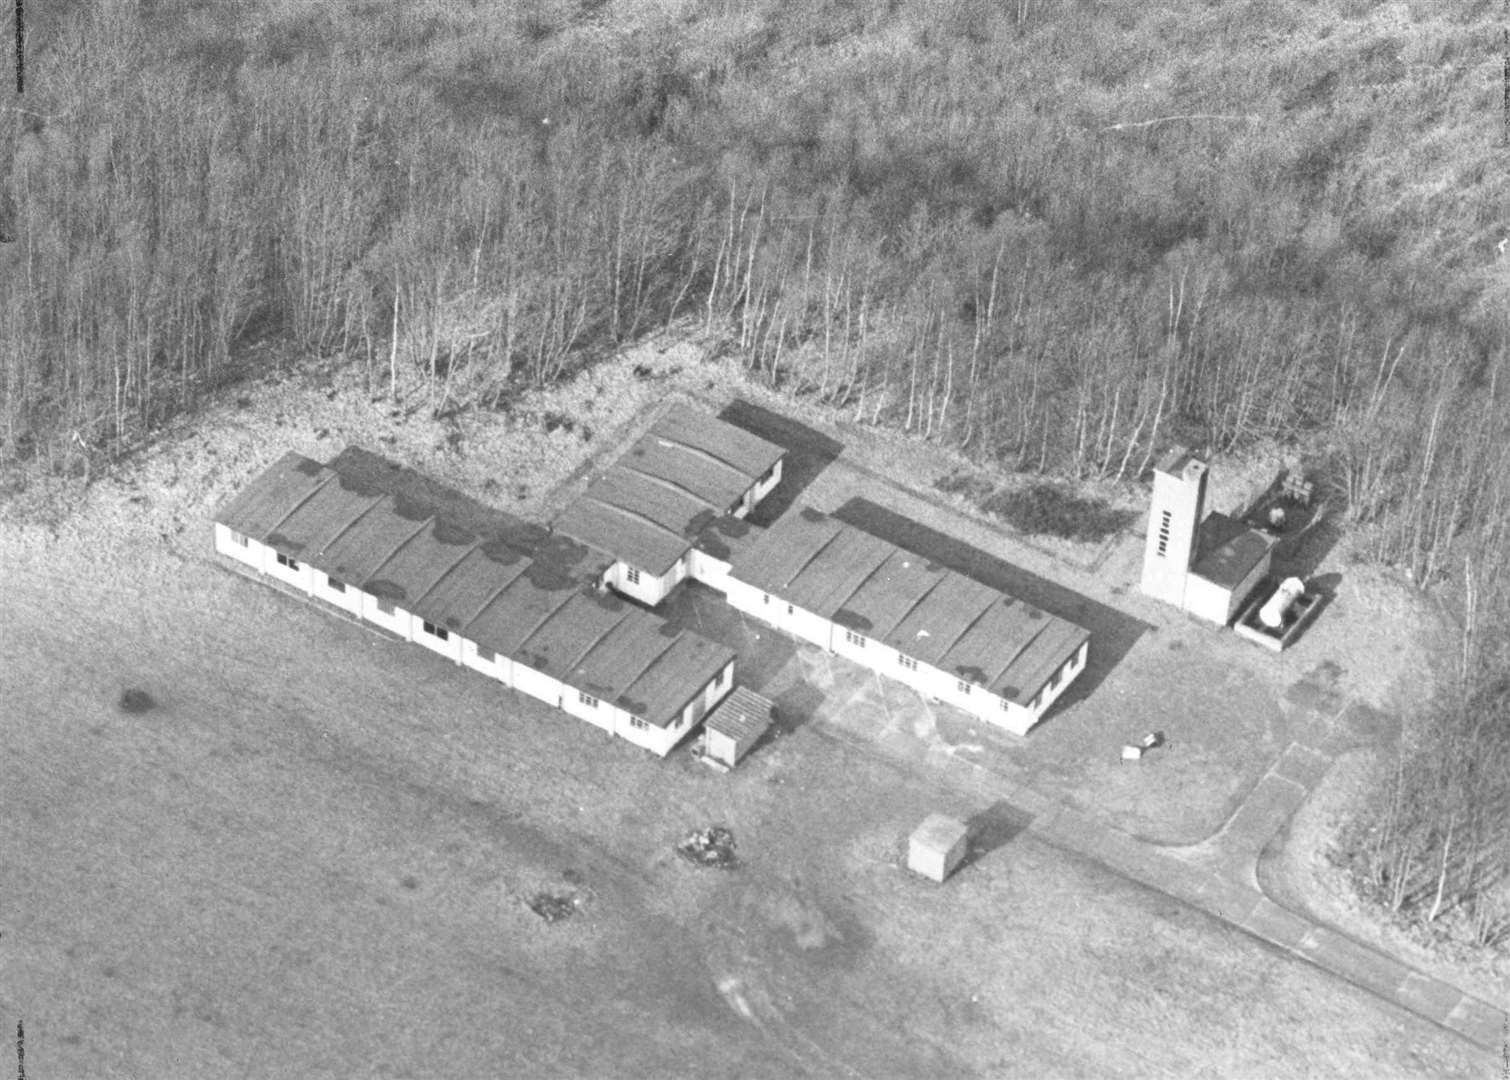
x=1179 y=497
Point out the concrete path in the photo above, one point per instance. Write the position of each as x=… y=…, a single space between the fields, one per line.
x=1217 y=876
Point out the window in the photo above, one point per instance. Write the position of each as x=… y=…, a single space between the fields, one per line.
x=765 y=598
x=638 y=724
x=790 y=610
x=631 y=575
x=718 y=680
x=238 y=539
x=385 y=605
x=1005 y=704
x=1054 y=678
x=854 y=639
x=487 y=656
x=335 y=585
x=284 y=560
x=964 y=687
x=907 y=662
x=437 y=631
x=587 y=699
x=1164 y=530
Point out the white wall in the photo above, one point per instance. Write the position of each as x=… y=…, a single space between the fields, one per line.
x=500 y=667
x=243 y=550
x=760 y=491
x=450 y=647
x=649 y=590
x=600 y=715
x=871 y=653
x=1207 y=600
x=400 y=622
x=537 y=685
x=298 y=576
x=350 y=600
x=712 y=572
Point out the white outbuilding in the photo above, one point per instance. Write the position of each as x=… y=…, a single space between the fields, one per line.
x=937 y=847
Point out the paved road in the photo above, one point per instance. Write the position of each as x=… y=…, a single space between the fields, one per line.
x=1217 y=876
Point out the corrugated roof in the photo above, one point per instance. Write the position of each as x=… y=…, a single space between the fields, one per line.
x=888 y=595
x=622 y=657
x=460 y=596
x=836 y=572
x=930 y=630
x=933 y=614
x=743 y=715
x=510 y=587
x=516 y=613
x=258 y=508
x=774 y=561
x=714 y=485
x=417 y=566
x=356 y=553
x=1228 y=550
x=662 y=690
x=726 y=537
x=651 y=503
x=573 y=630
x=734 y=446
x=636 y=520
x=321 y=518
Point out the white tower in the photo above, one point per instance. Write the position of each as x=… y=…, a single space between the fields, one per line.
x=1174 y=515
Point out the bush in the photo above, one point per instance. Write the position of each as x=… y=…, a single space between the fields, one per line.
x=1050 y=510
x=960 y=482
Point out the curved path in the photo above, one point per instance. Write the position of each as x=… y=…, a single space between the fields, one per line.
x=1217 y=876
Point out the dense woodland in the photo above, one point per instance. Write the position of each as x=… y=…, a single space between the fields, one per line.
x=1056 y=235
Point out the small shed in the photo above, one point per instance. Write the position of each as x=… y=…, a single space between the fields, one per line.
x=937 y=847
x=736 y=725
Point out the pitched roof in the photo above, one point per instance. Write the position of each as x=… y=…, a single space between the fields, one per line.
x=257 y=509
x=1227 y=550
x=510 y=587
x=644 y=523
x=742 y=715
x=933 y=614
x=674 y=678
x=649 y=506
x=734 y=446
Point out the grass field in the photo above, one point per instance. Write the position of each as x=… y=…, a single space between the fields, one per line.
x=312 y=856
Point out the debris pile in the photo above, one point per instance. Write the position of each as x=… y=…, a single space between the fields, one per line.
x=1134 y=752
x=553 y=908
x=713 y=846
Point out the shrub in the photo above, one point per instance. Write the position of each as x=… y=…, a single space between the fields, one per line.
x=1048 y=509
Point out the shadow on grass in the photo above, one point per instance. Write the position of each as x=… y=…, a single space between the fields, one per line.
x=808 y=453
x=1113 y=633
x=994 y=827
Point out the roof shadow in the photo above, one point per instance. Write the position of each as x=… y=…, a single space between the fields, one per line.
x=1113 y=633
x=808 y=453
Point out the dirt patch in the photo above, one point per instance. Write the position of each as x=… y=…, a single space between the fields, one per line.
x=134 y=702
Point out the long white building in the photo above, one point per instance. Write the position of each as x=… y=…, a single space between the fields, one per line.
x=946 y=635
x=509 y=600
